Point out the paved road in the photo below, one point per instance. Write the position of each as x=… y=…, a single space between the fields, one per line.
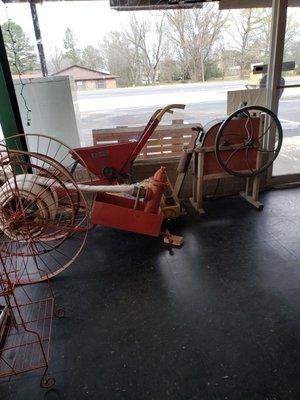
x=204 y=102
x=133 y=106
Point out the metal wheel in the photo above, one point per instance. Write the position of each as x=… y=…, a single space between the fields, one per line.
x=248 y=141
x=44 y=217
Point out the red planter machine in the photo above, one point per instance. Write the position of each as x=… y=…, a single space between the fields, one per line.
x=234 y=146
x=111 y=164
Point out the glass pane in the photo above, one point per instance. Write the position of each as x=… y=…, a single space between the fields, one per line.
x=197 y=71
x=288 y=161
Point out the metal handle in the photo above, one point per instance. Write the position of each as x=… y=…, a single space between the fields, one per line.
x=157 y=112
x=288 y=86
x=168 y=109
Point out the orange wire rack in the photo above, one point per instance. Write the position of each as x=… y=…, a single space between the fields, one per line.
x=25 y=330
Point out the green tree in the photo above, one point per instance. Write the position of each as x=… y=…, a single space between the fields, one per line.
x=71 y=52
x=92 y=58
x=20 y=52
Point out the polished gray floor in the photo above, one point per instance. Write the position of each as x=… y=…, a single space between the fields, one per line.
x=217 y=319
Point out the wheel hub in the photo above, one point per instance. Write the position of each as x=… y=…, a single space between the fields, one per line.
x=25 y=208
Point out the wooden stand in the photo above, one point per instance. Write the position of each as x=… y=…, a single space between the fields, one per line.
x=170 y=204
x=205 y=166
x=251 y=192
x=199 y=177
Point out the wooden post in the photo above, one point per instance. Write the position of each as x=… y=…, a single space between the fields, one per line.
x=198 y=180
x=194 y=177
x=251 y=193
x=248 y=186
x=279 y=18
x=259 y=159
x=200 y=183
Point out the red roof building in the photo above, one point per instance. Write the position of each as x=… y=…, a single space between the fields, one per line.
x=89 y=79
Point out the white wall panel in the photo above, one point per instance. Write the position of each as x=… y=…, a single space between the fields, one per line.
x=54 y=108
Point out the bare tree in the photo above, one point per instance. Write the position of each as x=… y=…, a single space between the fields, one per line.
x=177 y=22
x=251 y=34
x=56 y=60
x=291 y=43
x=245 y=30
x=295 y=55
x=194 y=34
x=149 y=45
x=225 y=58
x=120 y=58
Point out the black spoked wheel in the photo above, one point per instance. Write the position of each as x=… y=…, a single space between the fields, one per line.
x=248 y=141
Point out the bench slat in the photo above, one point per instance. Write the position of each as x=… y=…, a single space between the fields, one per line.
x=166 y=141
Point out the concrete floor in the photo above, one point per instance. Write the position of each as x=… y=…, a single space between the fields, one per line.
x=215 y=320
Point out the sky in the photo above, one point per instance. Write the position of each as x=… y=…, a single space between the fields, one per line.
x=89 y=20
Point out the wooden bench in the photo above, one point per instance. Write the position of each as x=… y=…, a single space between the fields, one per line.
x=166 y=142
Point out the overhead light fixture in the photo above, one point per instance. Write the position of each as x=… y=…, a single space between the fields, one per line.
x=135 y=5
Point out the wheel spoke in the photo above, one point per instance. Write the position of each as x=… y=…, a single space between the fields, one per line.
x=265 y=132
x=249 y=135
x=236 y=135
x=40 y=220
x=251 y=118
x=233 y=154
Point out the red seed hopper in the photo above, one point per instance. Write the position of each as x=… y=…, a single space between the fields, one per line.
x=111 y=162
